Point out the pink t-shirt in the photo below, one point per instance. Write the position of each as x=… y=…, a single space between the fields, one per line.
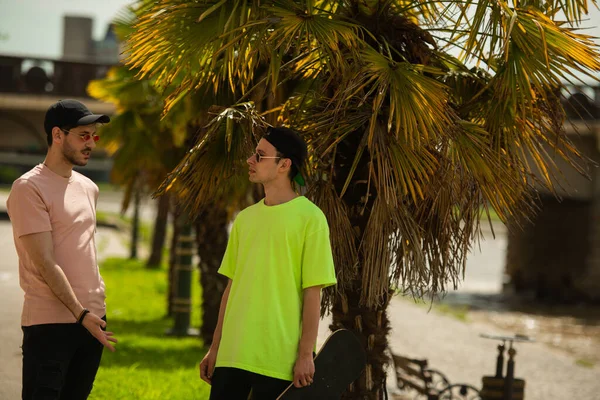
x=42 y=201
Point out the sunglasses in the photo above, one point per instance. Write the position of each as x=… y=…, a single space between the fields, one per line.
x=258 y=157
x=84 y=137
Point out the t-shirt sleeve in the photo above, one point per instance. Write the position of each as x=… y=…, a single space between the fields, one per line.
x=26 y=208
x=228 y=264
x=317 y=259
x=96 y=195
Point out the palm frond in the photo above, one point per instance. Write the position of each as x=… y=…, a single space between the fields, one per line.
x=407 y=144
x=345 y=258
x=416 y=105
x=308 y=27
x=213 y=170
x=484 y=28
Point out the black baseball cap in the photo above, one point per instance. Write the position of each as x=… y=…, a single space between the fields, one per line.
x=70 y=113
x=289 y=143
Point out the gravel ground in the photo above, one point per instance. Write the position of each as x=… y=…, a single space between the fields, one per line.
x=455 y=348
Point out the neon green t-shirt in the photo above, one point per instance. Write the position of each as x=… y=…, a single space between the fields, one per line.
x=273 y=253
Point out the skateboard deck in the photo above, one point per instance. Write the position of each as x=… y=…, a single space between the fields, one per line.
x=339 y=363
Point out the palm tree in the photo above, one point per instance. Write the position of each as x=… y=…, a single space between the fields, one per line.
x=211 y=223
x=211 y=242
x=140 y=119
x=143 y=147
x=419 y=115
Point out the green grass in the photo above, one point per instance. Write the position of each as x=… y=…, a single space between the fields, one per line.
x=103 y=216
x=124 y=223
x=147 y=364
x=145 y=232
x=104 y=187
x=108 y=187
x=108 y=218
x=460 y=313
x=493 y=215
x=102 y=244
x=585 y=363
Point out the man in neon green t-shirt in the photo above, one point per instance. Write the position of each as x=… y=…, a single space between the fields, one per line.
x=277 y=260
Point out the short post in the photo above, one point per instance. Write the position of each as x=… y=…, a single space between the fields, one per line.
x=500 y=360
x=182 y=303
x=510 y=373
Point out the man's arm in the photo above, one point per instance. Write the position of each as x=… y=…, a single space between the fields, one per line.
x=207 y=365
x=219 y=328
x=40 y=248
x=304 y=370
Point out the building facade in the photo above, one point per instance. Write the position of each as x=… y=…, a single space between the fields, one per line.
x=29 y=85
x=555 y=257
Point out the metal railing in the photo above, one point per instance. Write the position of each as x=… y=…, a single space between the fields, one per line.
x=581 y=102
x=44 y=76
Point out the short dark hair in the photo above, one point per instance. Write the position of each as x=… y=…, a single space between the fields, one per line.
x=293 y=168
x=65 y=129
x=289 y=144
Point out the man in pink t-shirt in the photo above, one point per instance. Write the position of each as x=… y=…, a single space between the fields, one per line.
x=53 y=212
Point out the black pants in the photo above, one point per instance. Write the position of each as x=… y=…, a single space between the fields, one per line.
x=236 y=384
x=60 y=362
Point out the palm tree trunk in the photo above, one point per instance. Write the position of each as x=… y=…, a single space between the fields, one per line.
x=211 y=240
x=135 y=226
x=371 y=326
x=182 y=301
x=160 y=231
x=172 y=276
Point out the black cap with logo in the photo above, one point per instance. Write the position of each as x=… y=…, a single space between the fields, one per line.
x=290 y=144
x=70 y=113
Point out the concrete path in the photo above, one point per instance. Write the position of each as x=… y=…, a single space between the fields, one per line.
x=11 y=301
x=455 y=348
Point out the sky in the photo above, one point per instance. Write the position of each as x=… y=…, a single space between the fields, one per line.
x=34 y=27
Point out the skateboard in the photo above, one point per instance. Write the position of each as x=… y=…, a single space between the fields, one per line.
x=339 y=363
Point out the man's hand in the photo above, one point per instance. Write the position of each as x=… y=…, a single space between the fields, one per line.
x=94 y=325
x=304 y=370
x=207 y=365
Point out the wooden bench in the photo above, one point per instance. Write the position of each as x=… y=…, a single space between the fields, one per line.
x=416 y=380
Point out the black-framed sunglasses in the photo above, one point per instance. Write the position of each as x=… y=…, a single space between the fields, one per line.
x=85 y=137
x=258 y=157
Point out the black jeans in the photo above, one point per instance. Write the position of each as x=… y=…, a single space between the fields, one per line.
x=60 y=362
x=236 y=384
